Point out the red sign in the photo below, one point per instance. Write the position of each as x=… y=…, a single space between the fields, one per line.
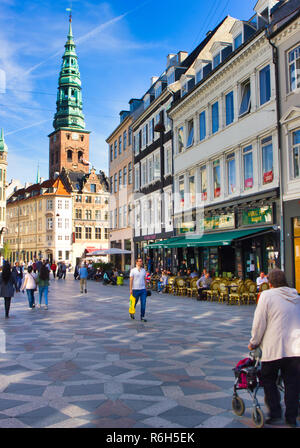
x=204 y=196
x=249 y=182
x=217 y=192
x=268 y=177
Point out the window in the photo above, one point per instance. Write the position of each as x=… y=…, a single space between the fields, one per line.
x=125 y=176
x=199 y=75
x=78 y=213
x=88 y=214
x=151 y=130
x=60 y=254
x=120 y=218
x=145 y=135
x=184 y=89
x=125 y=215
x=144 y=174
x=98 y=233
x=168 y=166
x=181 y=191
x=98 y=200
x=67 y=223
x=245 y=98
x=203 y=183
x=129 y=136
x=97 y=214
x=248 y=167
x=230 y=161
x=217 y=178
x=120 y=179
x=216 y=60
x=67 y=205
x=202 y=124
x=115 y=182
x=130 y=173
x=294 y=68
x=190 y=136
x=115 y=149
x=237 y=42
x=49 y=223
x=49 y=204
x=120 y=144
x=78 y=234
x=93 y=188
x=264 y=85
x=137 y=177
x=180 y=139
x=59 y=204
x=171 y=78
x=69 y=155
x=150 y=169
x=88 y=233
x=146 y=102
x=111 y=182
x=124 y=140
x=192 y=190
x=229 y=108
x=157 y=166
x=296 y=153
x=158 y=90
x=59 y=223
x=111 y=153
x=215 y=117
x=88 y=199
x=267 y=160
x=106 y=234
x=78 y=198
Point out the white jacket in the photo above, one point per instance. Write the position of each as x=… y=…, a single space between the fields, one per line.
x=276 y=324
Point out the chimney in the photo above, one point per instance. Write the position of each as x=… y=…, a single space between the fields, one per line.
x=153 y=80
x=170 y=59
x=182 y=55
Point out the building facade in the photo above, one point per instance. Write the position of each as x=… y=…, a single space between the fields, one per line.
x=226 y=159
x=285 y=37
x=39 y=220
x=121 y=187
x=3 y=170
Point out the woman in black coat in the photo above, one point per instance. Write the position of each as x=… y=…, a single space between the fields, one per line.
x=8 y=284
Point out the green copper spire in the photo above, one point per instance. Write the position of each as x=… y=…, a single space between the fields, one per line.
x=3 y=146
x=69 y=99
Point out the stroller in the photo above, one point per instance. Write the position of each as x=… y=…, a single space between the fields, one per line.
x=248 y=377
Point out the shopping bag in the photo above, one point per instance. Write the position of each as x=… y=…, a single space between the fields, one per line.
x=131 y=304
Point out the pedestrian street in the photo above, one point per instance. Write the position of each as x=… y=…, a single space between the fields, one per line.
x=83 y=363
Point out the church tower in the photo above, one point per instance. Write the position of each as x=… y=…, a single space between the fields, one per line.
x=69 y=143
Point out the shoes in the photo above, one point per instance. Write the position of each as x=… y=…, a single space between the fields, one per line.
x=33 y=306
x=292 y=424
x=143 y=319
x=132 y=316
x=85 y=291
x=273 y=421
x=39 y=305
x=46 y=307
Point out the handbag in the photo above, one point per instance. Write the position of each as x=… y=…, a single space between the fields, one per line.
x=131 y=304
x=149 y=293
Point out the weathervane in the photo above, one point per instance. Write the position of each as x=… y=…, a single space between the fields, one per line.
x=70 y=16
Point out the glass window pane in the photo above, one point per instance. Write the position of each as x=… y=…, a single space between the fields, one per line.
x=190 y=139
x=238 y=41
x=215 y=117
x=267 y=156
x=248 y=168
x=231 y=176
x=203 y=183
x=202 y=126
x=217 y=178
x=180 y=140
x=229 y=108
x=245 y=103
x=265 y=85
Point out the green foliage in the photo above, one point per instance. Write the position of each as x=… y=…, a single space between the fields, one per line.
x=6 y=250
x=104 y=266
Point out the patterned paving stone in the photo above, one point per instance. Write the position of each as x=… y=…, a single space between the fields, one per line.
x=84 y=363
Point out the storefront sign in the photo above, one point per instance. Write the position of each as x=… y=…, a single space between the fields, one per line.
x=150 y=237
x=262 y=215
x=219 y=222
x=187 y=227
x=268 y=177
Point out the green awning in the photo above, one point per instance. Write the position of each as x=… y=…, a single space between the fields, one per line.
x=163 y=243
x=214 y=239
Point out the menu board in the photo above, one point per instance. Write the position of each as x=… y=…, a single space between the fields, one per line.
x=219 y=222
x=262 y=215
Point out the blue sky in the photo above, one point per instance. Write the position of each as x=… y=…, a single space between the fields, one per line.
x=120 y=45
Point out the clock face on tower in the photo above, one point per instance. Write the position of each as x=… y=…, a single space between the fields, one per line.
x=75 y=136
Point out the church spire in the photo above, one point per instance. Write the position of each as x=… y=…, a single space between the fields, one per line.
x=69 y=113
x=3 y=146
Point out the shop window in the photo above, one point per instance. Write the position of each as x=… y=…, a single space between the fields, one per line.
x=231 y=177
x=267 y=160
x=192 y=190
x=217 y=178
x=203 y=180
x=181 y=191
x=248 y=167
x=297 y=251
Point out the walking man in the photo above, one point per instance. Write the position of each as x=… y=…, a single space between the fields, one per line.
x=83 y=275
x=276 y=330
x=138 y=287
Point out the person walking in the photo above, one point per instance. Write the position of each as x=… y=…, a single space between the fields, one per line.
x=29 y=284
x=53 y=268
x=138 y=287
x=18 y=273
x=83 y=275
x=43 y=283
x=275 y=329
x=8 y=283
x=63 y=270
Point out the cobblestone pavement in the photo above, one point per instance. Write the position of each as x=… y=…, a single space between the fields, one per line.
x=85 y=363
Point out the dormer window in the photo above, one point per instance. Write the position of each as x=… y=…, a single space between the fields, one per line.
x=237 y=41
x=184 y=89
x=199 y=75
x=146 y=101
x=158 y=90
x=216 y=60
x=171 y=77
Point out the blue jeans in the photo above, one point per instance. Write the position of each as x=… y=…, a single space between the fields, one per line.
x=140 y=294
x=30 y=296
x=43 y=290
x=19 y=281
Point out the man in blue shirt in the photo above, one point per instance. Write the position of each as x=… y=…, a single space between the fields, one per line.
x=83 y=274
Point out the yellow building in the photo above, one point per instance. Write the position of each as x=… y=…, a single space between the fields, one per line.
x=3 y=167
